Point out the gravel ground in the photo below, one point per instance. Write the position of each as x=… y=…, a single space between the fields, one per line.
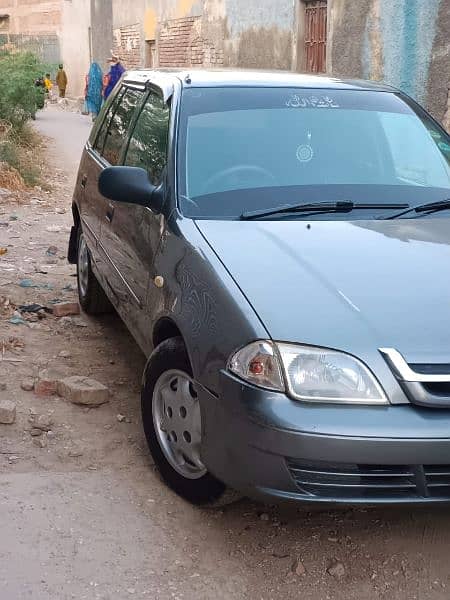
x=83 y=513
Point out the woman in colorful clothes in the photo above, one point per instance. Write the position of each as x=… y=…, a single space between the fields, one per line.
x=93 y=92
x=115 y=73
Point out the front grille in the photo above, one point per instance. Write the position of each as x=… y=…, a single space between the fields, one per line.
x=437 y=479
x=439 y=389
x=425 y=384
x=370 y=482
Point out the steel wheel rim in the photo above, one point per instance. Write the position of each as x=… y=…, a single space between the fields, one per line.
x=177 y=422
x=83 y=267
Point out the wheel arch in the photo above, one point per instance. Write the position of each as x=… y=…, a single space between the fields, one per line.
x=164 y=329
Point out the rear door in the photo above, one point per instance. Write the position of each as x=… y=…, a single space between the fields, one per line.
x=112 y=146
x=136 y=230
x=93 y=205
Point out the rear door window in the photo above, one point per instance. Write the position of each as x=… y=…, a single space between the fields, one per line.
x=119 y=124
x=148 y=144
x=101 y=137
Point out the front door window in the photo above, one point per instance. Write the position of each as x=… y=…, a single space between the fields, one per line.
x=148 y=144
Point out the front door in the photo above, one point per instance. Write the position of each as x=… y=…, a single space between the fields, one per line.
x=92 y=204
x=313 y=36
x=136 y=230
x=115 y=142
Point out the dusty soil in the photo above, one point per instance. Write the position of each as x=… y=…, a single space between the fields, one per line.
x=87 y=517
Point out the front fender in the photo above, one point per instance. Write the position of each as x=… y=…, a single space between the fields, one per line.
x=203 y=301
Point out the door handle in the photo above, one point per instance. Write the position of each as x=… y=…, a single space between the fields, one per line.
x=84 y=181
x=110 y=213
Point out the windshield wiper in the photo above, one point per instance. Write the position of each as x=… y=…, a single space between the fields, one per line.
x=428 y=207
x=317 y=207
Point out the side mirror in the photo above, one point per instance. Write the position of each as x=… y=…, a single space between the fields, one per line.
x=130 y=185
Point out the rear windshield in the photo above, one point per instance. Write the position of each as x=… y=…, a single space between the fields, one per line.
x=247 y=149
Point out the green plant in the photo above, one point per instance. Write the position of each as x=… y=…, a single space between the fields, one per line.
x=19 y=96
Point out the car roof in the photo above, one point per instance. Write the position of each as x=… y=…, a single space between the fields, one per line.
x=241 y=77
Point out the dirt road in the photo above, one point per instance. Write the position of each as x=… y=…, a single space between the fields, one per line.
x=86 y=517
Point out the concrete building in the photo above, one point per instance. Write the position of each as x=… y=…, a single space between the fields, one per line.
x=403 y=42
x=74 y=32
x=86 y=36
x=32 y=25
x=28 y=17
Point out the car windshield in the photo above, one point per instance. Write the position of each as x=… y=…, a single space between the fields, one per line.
x=251 y=149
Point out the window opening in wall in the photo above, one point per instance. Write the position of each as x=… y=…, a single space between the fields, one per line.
x=4 y=22
x=312 y=36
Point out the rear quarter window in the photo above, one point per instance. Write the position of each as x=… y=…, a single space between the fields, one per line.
x=99 y=134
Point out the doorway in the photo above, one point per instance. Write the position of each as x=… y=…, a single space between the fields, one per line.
x=150 y=54
x=312 y=36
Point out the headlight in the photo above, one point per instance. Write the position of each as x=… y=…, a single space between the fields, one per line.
x=322 y=375
x=311 y=374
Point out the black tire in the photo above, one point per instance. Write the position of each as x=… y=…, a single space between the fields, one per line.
x=206 y=490
x=92 y=298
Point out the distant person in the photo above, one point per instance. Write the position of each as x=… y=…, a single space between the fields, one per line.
x=48 y=83
x=93 y=91
x=48 y=86
x=40 y=83
x=61 y=81
x=115 y=73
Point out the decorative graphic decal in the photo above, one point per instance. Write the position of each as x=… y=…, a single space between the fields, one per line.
x=305 y=153
x=296 y=101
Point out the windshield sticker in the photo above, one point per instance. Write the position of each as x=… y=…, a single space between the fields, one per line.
x=305 y=153
x=296 y=101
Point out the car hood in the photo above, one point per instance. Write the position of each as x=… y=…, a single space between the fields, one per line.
x=345 y=284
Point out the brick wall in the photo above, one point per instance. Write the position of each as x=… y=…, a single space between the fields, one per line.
x=181 y=44
x=33 y=17
x=127 y=43
x=33 y=25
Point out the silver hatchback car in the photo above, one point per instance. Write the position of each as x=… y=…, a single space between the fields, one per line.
x=279 y=246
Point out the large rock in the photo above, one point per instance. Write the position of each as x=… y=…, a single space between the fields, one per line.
x=65 y=309
x=41 y=422
x=27 y=384
x=299 y=568
x=336 y=569
x=7 y=412
x=47 y=383
x=83 y=390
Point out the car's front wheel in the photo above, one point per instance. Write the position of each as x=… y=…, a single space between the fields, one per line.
x=93 y=299
x=172 y=422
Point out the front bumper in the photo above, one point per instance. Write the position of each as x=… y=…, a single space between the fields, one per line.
x=271 y=447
